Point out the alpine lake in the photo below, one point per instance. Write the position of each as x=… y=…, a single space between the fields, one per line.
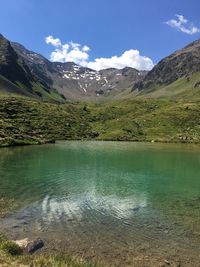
x=117 y=203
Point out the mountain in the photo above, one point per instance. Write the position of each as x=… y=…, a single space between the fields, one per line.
x=14 y=74
x=182 y=63
x=76 y=82
x=122 y=79
x=88 y=83
x=27 y=72
x=39 y=66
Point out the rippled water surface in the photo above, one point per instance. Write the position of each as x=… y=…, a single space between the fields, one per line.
x=120 y=203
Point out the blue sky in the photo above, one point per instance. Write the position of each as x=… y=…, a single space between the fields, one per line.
x=107 y=27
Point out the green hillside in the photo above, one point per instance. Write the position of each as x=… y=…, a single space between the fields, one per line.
x=28 y=121
x=185 y=88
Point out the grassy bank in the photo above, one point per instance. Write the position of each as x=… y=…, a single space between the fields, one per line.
x=28 y=121
x=12 y=255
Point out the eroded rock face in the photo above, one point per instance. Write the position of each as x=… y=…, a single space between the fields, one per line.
x=29 y=247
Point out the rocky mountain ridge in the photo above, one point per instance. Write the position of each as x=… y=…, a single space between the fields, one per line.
x=77 y=82
x=25 y=72
x=182 y=63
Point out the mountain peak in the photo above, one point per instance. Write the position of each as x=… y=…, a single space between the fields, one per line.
x=194 y=44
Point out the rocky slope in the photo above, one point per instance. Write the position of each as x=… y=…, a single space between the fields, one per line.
x=38 y=65
x=182 y=63
x=12 y=68
x=16 y=76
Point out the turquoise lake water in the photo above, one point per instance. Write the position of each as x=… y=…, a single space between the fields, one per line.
x=115 y=202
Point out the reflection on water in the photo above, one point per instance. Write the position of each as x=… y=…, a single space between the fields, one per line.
x=114 y=197
x=54 y=209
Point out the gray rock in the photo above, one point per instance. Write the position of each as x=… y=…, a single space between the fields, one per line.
x=30 y=247
x=34 y=245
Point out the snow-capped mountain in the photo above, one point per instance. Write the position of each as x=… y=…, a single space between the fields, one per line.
x=77 y=82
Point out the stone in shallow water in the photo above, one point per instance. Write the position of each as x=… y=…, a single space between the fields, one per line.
x=30 y=246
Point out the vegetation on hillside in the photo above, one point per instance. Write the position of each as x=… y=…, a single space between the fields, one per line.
x=148 y=120
x=28 y=121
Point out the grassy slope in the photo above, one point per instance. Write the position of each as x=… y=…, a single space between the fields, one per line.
x=147 y=120
x=7 y=87
x=182 y=89
x=28 y=121
x=37 y=91
x=165 y=114
x=162 y=113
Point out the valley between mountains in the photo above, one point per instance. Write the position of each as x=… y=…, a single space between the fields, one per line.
x=43 y=101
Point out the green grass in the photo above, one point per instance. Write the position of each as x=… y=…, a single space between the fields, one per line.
x=181 y=89
x=12 y=255
x=28 y=121
x=10 y=248
x=147 y=120
x=46 y=95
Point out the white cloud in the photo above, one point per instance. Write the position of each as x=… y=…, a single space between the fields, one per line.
x=75 y=45
x=67 y=52
x=80 y=55
x=53 y=41
x=182 y=24
x=86 y=48
x=130 y=58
